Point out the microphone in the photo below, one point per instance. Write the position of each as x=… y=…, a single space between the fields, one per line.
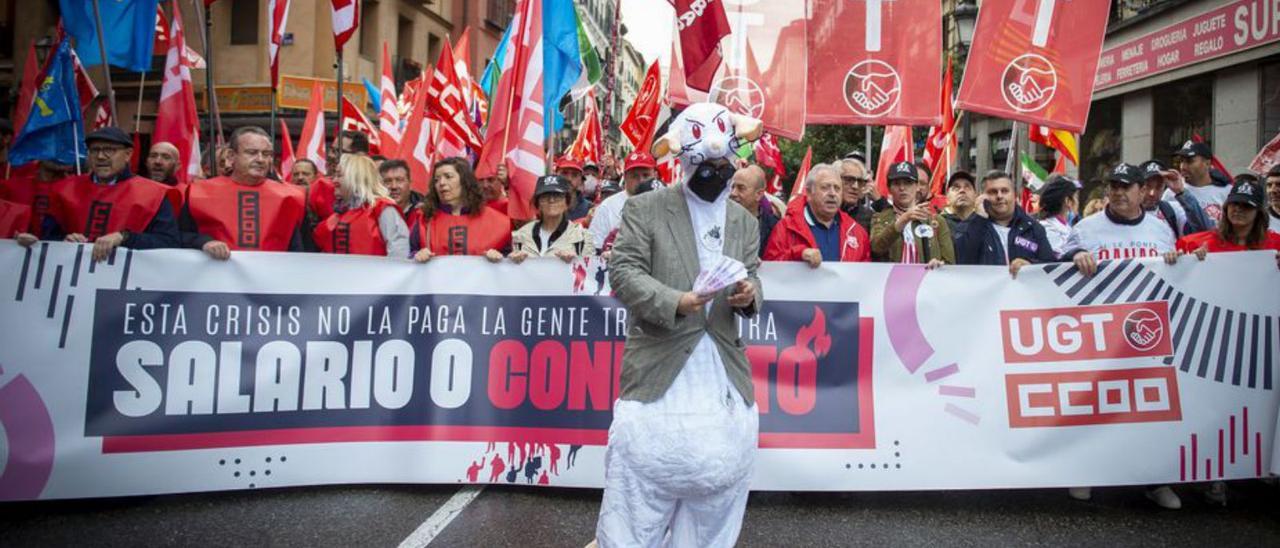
x=924 y=231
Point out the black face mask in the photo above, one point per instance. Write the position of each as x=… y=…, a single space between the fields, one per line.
x=709 y=180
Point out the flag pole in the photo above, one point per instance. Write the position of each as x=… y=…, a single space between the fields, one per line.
x=337 y=127
x=106 y=66
x=142 y=84
x=211 y=104
x=1012 y=161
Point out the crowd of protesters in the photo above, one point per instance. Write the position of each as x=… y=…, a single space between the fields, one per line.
x=366 y=205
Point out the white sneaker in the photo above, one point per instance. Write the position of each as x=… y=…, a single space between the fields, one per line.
x=1164 y=497
x=1080 y=493
x=1217 y=493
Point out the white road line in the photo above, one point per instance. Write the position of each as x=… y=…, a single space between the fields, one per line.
x=432 y=527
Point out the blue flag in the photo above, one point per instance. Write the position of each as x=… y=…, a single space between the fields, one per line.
x=375 y=96
x=129 y=30
x=55 y=129
x=561 y=58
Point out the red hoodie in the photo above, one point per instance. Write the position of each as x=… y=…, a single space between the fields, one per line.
x=792 y=236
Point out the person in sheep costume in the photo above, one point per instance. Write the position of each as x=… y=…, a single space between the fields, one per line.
x=683 y=440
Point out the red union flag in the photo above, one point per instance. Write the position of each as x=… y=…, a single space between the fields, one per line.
x=880 y=62
x=346 y=18
x=1043 y=54
x=702 y=25
x=643 y=117
x=354 y=120
x=765 y=71
x=446 y=100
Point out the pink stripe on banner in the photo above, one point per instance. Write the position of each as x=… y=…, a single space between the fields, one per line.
x=957 y=391
x=31 y=441
x=1221 y=462
x=941 y=372
x=1244 y=428
x=1233 y=439
x=962 y=414
x=1182 y=464
x=900 y=315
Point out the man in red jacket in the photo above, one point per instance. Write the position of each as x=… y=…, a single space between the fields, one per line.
x=814 y=228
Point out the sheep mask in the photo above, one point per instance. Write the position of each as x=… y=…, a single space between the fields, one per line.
x=701 y=137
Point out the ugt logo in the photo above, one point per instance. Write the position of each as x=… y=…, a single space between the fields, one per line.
x=1103 y=394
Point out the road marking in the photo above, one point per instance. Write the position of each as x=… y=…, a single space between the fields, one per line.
x=432 y=527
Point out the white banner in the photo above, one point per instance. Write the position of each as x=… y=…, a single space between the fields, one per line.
x=164 y=371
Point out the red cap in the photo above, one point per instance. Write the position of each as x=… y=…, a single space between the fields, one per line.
x=640 y=158
x=567 y=162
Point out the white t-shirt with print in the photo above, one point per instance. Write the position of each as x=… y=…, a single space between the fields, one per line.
x=1109 y=240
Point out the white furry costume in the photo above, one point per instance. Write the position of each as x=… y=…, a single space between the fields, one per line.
x=678 y=469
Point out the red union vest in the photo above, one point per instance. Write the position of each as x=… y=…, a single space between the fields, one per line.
x=82 y=207
x=254 y=218
x=354 y=232
x=14 y=218
x=29 y=191
x=321 y=197
x=466 y=235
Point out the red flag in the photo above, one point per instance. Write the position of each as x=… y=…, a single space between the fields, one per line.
x=27 y=90
x=311 y=140
x=176 y=120
x=642 y=119
x=797 y=188
x=1267 y=157
x=941 y=136
x=1060 y=165
x=766 y=65
x=279 y=12
x=677 y=90
x=462 y=66
x=389 y=115
x=1217 y=163
x=515 y=133
x=1060 y=140
x=702 y=25
x=416 y=148
x=1043 y=54
x=286 y=154
x=346 y=19
x=588 y=144
x=446 y=102
x=161 y=40
x=880 y=62
x=897 y=146
x=769 y=155
x=354 y=120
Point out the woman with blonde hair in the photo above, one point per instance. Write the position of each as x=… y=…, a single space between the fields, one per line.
x=364 y=221
x=552 y=234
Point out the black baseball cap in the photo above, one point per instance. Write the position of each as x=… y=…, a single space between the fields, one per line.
x=1128 y=174
x=550 y=184
x=110 y=134
x=1192 y=148
x=962 y=175
x=903 y=170
x=1153 y=168
x=1247 y=191
x=610 y=186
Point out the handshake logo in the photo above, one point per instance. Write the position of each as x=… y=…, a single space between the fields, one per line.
x=872 y=88
x=1029 y=83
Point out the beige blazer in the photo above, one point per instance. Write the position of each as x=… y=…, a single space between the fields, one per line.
x=655 y=262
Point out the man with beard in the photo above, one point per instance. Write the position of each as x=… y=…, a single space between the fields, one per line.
x=245 y=210
x=749 y=191
x=1195 y=162
x=571 y=170
x=1007 y=235
x=109 y=206
x=683 y=439
x=1273 y=197
x=1165 y=198
x=162 y=163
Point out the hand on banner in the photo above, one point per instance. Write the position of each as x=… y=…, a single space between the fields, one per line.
x=1085 y=262
x=76 y=238
x=1203 y=251
x=691 y=303
x=934 y=264
x=1171 y=257
x=493 y=256
x=744 y=294
x=518 y=256
x=811 y=256
x=565 y=255
x=217 y=250
x=1016 y=265
x=105 y=245
x=423 y=255
x=26 y=239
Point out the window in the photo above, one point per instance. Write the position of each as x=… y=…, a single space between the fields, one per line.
x=1269 y=110
x=244 y=22
x=1180 y=110
x=1100 y=144
x=369 y=29
x=433 y=47
x=499 y=13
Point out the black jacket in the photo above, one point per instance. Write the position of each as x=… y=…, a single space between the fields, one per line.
x=979 y=244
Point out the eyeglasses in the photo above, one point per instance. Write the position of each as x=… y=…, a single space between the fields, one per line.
x=104 y=151
x=854 y=181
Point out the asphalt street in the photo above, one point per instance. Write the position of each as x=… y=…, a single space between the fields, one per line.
x=534 y=517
